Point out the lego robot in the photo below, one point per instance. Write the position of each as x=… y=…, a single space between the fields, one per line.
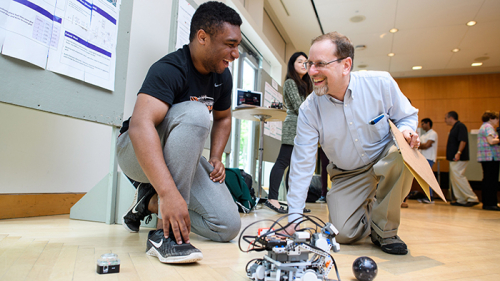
x=305 y=256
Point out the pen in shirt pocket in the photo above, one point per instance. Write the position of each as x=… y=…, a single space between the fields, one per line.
x=376 y=119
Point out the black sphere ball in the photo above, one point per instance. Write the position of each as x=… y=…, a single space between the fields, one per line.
x=364 y=269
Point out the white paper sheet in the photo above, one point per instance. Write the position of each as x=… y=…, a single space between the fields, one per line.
x=4 y=11
x=272 y=129
x=87 y=45
x=29 y=27
x=77 y=36
x=186 y=12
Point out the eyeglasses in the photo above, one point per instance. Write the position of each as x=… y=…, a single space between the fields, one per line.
x=320 y=64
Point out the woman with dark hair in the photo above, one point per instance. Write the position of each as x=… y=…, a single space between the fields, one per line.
x=488 y=154
x=296 y=88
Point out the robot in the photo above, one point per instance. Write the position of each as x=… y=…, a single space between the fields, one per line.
x=305 y=256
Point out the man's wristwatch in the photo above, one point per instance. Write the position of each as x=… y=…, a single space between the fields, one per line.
x=459 y=152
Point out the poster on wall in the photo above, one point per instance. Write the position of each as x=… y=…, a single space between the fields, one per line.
x=184 y=15
x=28 y=29
x=4 y=11
x=76 y=38
x=272 y=129
x=86 y=48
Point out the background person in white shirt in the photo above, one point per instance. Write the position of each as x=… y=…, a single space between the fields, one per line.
x=348 y=115
x=428 y=148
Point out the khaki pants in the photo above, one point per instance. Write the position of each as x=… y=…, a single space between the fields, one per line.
x=459 y=183
x=369 y=197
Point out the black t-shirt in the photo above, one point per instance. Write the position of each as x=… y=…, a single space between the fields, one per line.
x=457 y=134
x=174 y=79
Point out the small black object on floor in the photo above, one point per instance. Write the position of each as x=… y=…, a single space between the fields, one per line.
x=364 y=269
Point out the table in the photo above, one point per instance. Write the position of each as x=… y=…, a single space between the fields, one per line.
x=260 y=114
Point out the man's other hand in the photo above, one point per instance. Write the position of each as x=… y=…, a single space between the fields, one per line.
x=411 y=138
x=290 y=230
x=219 y=172
x=174 y=212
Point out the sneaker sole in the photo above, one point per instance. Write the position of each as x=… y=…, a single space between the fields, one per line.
x=275 y=209
x=128 y=211
x=191 y=258
x=126 y=226
x=394 y=251
x=386 y=249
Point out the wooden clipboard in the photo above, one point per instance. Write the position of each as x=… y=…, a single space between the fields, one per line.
x=417 y=164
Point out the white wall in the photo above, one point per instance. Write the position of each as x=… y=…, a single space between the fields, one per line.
x=252 y=28
x=274 y=36
x=42 y=152
x=149 y=37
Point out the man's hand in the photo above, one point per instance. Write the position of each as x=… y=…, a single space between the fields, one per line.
x=411 y=138
x=175 y=214
x=219 y=172
x=456 y=157
x=290 y=230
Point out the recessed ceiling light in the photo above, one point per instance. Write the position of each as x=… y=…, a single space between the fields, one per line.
x=455 y=50
x=479 y=59
x=358 y=18
x=471 y=23
x=362 y=70
x=477 y=64
x=394 y=30
x=417 y=67
x=360 y=47
x=391 y=54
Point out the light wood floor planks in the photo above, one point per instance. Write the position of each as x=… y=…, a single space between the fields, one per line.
x=445 y=242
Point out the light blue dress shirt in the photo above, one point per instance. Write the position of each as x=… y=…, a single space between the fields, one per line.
x=352 y=133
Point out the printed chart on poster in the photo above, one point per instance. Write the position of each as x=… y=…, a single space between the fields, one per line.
x=76 y=38
x=186 y=12
x=272 y=129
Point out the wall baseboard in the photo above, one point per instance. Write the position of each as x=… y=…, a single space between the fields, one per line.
x=34 y=205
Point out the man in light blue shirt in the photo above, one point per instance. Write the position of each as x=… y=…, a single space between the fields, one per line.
x=349 y=116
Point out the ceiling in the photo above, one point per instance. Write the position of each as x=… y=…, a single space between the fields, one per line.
x=428 y=32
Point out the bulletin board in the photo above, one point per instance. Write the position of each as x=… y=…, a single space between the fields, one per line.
x=27 y=85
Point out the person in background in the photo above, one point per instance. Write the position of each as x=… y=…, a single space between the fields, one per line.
x=428 y=148
x=349 y=114
x=488 y=154
x=498 y=132
x=457 y=152
x=296 y=88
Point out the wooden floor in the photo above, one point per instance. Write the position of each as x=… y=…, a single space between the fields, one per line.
x=445 y=243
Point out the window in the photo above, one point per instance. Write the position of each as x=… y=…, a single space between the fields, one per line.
x=247 y=133
x=243 y=131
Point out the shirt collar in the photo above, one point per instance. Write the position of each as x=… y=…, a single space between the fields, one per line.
x=349 y=93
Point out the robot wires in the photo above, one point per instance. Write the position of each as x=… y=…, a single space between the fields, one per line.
x=257 y=241
x=258 y=246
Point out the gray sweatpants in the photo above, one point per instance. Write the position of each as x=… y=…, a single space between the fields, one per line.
x=182 y=133
x=351 y=200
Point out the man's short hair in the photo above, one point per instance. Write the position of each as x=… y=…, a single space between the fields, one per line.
x=427 y=121
x=210 y=16
x=488 y=115
x=453 y=114
x=345 y=49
